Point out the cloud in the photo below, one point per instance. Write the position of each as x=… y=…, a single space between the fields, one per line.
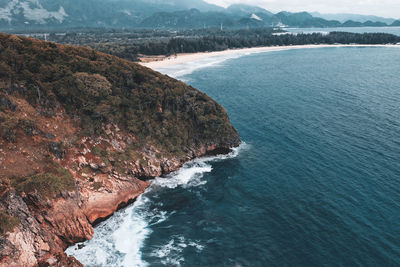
x=386 y=8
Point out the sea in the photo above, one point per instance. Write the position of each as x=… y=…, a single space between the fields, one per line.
x=316 y=181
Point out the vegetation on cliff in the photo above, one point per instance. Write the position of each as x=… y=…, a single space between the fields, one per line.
x=40 y=81
x=80 y=134
x=48 y=184
x=7 y=223
x=96 y=89
x=84 y=93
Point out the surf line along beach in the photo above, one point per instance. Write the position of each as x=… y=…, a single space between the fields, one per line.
x=157 y=62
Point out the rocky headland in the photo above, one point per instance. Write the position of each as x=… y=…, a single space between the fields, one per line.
x=81 y=135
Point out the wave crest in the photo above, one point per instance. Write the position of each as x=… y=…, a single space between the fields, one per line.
x=118 y=240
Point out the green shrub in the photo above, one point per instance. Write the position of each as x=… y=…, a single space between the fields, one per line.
x=144 y=163
x=97 y=185
x=101 y=153
x=8 y=127
x=47 y=184
x=28 y=126
x=7 y=223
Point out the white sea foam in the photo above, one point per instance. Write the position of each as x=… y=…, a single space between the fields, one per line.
x=118 y=241
x=188 y=175
x=196 y=245
x=135 y=225
x=112 y=244
x=170 y=253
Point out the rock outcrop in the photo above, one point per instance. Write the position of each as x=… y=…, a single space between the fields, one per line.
x=75 y=147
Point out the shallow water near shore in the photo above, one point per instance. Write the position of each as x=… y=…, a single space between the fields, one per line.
x=317 y=181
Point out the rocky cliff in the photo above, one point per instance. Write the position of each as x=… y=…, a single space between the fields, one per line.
x=81 y=135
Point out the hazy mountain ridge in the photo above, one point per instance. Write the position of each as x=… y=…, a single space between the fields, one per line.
x=343 y=17
x=48 y=14
x=241 y=9
x=195 y=19
x=89 y=13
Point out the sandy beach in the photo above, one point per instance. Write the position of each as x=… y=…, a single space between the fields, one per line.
x=162 y=62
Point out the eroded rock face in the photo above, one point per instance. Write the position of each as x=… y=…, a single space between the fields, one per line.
x=47 y=228
x=104 y=184
x=20 y=246
x=35 y=239
x=100 y=205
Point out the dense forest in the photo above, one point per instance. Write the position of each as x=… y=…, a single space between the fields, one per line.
x=215 y=43
x=130 y=45
x=97 y=89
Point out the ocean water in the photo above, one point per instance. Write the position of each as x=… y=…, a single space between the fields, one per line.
x=316 y=182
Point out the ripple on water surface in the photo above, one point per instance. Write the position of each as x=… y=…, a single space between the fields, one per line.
x=317 y=184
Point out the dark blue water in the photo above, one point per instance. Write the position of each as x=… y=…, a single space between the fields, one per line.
x=317 y=183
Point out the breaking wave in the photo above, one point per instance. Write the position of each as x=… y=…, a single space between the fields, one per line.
x=118 y=240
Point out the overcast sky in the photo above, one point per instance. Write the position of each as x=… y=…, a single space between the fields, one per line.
x=386 y=8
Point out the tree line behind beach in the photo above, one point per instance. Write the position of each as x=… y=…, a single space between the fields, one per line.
x=132 y=45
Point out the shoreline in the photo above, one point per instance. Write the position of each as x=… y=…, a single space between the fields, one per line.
x=155 y=62
x=69 y=166
x=206 y=157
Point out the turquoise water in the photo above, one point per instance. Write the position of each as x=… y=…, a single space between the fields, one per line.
x=317 y=182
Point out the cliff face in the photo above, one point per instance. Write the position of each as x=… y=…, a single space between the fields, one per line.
x=81 y=133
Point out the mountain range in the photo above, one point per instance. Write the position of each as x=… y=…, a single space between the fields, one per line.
x=170 y=14
x=343 y=17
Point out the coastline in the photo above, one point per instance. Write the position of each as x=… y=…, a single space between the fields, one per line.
x=155 y=62
x=58 y=163
x=162 y=62
x=189 y=174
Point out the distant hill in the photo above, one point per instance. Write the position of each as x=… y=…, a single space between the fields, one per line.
x=230 y=19
x=243 y=10
x=304 y=19
x=352 y=23
x=355 y=17
x=121 y=14
x=396 y=23
x=26 y=14
x=195 y=19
